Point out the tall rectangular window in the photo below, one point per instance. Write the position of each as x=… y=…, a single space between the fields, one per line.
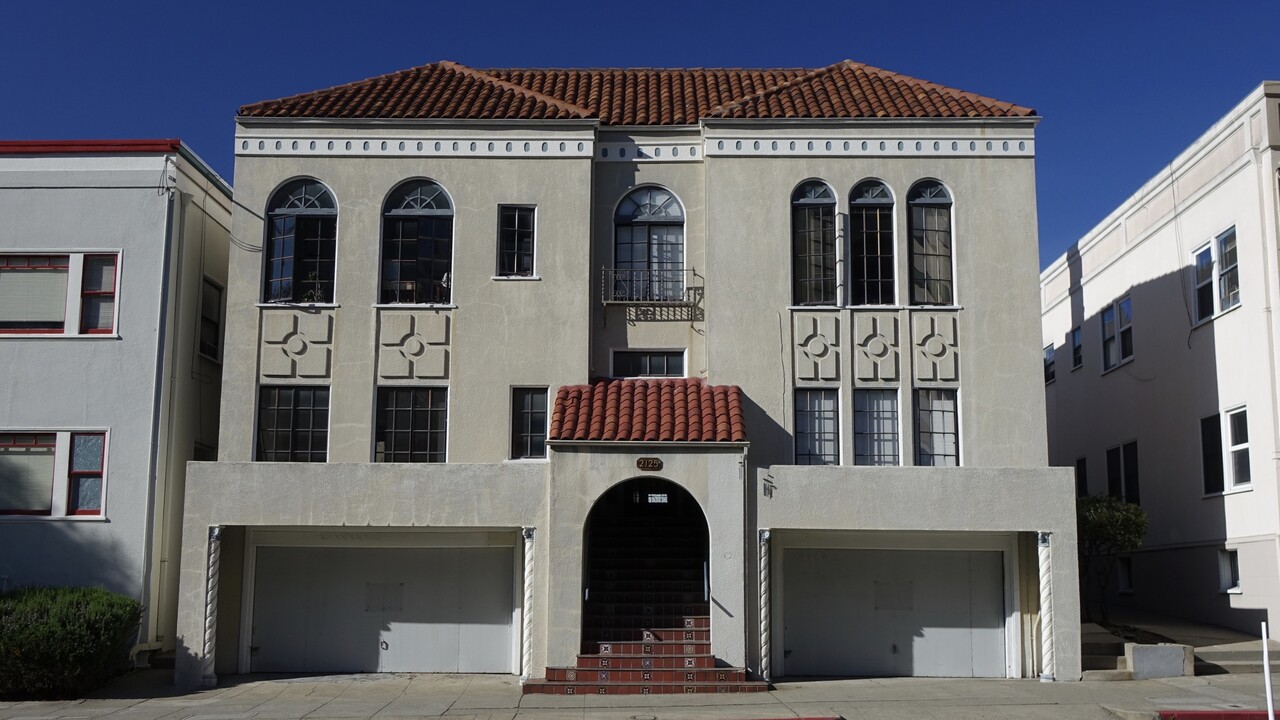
x=515 y=241
x=33 y=293
x=1082 y=477
x=817 y=428
x=293 y=423
x=98 y=294
x=1238 y=446
x=1229 y=571
x=1117 y=333
x=1050 y=372
x=26 y=473
x=937 y=428
x=528 y=423
x=814 y=247
x=1203 y=274
x=931 y=251
x=648 y=363
x=1077 y=349
x=1122 y=472
x=1211 y=454
x=411 y=425
x=871 y=262
x=211 y=320
x=875 y=427
x=1228 y=271
x=84 y=488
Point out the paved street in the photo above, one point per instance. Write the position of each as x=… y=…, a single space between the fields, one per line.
x=147 y=695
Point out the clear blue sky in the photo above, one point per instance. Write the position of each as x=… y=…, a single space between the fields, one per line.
x=1122 y=85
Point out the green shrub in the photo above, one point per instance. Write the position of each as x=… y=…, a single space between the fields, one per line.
x=60 y=642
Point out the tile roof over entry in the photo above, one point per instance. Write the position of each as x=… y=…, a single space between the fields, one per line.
x=638 y=96
x=659 y=410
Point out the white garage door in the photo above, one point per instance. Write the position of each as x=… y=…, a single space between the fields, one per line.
x=893 y=613
x=323 y=609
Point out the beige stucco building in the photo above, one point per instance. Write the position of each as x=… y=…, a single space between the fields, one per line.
x=632 y=381
x=1161 y=371
x=113 y=259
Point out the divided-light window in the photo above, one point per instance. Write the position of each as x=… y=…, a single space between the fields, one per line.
x=813 y=244
x=1122 y=472
x=931 y=249
x=60 y=294
x=302 y=227
x=52 y=473
x=1216 y=273
x=515 y=241
x=417 y=245
x=871 y=244
x=1117 y=333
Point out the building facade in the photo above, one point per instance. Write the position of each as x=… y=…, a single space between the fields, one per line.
x=1160 y=372
x=691 y=375
x=113 y=258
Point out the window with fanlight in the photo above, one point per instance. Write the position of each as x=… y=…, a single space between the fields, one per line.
x=648 y=248
x=813 y=244
x=931 y=251
x=302 y=225
x=417 y=245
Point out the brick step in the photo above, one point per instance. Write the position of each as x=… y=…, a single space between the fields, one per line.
x=647 y=609
x=647 y=598
x=656 y=647
x=616 y=675
x=646 y=662
x=543 y=687
x=633 y=634
x=649 y=622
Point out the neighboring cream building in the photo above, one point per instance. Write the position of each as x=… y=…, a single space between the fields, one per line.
x=527 y=372
x=1161 y=359
x=113 y=257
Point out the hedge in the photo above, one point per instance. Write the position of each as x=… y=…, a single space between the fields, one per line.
x=62 y=642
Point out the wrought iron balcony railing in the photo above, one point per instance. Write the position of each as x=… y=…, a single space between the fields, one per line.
x=667 y=286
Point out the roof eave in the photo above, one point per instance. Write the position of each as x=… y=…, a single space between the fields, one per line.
x=730 y=444
x=283 y=121
x=1012 y=121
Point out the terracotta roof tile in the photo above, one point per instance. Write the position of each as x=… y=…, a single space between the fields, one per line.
x=659 y=410
x=637 y=96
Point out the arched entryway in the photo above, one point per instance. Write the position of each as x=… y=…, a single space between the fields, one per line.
x=645 y=566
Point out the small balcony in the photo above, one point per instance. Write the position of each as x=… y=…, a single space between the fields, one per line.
x=669 y=287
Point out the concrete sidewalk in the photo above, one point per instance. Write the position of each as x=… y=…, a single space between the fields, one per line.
x=148 y=695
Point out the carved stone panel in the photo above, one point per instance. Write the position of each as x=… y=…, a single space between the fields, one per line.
x=935 y=336
x=413 y=345
x=817 y=346
x=296 y=344
x=876 y=347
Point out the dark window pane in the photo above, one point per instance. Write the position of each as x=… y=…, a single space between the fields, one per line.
x=1211 y=453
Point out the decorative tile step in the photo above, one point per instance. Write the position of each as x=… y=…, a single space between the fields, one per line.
x=543 y=687
x=646 y=648
x=614 y=675
x=633 y=634
x=646 y=662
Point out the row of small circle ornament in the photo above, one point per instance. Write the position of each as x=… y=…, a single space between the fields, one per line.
x=420 y=146
x=884 y=146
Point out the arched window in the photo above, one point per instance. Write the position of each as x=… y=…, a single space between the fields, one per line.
x=417 y=244
x=648 y=247
x=302 y=221
x=870 y=244
x=931 y=281
x=813 y=244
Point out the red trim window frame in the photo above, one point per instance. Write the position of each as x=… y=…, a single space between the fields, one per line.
x=86 y=295
x=73 y=476
x=38 y=440
x=35 y=263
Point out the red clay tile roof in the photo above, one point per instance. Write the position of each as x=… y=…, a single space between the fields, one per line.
x=638 y=96
x=660 y=410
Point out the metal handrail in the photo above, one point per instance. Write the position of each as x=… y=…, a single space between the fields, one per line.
x=649 y=286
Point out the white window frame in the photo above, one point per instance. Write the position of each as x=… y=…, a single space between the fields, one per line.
x=841 y=422
x=1230 y=448
x=1229 y=571
x=61 y=487
x=497 y=255
x=1075 y=339
x=853 y=422
x=1120 y=330
x=75 y=294
x=1215 y=278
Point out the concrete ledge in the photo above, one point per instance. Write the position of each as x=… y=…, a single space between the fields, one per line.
x=1159 y=661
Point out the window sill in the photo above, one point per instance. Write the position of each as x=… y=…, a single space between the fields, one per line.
x=1232 y=491
x=299 y=305
x=20 y=518
x=1077 y=367
x=210 y=358
x=415 y=306
x=1118 y=365
x=526 y=461
x=1231 y=591
x=1209 y=320
x=516 y=278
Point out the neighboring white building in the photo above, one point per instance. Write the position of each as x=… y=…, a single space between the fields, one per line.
x=528 y=371
x=113 y=258
x=1161 y=371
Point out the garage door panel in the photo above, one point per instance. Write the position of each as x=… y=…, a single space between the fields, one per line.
x=893 y=613
x=321 y=609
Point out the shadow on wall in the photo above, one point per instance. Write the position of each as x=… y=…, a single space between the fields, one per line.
x=1140 y=416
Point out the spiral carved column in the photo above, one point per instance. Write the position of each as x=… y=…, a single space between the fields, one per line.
x=1044 y=541
x=207 y=676
x=766 y=649
x=526 y=652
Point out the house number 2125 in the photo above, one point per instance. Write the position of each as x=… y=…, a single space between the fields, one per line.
x=648 y=463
